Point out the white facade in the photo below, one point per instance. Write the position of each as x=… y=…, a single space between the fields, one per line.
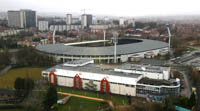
x=59 y=28
x=118 y=81
x=43 y=26
x=152 y=72
x=74 y=27
x=69 y=19
x=9 y=32
x=86 y=20
x=121 y=21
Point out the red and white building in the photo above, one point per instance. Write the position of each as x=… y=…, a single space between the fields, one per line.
x=78 y=74
x=82 y=74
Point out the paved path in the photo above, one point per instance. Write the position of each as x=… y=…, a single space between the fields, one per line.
x=5 y=69
x=187 y=90
x=91 y=98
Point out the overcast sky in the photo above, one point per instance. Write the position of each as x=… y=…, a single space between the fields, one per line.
x=107 y=7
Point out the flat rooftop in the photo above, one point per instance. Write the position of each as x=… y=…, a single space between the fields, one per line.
x=145 y=68
x=93 y=68
x=156 y=82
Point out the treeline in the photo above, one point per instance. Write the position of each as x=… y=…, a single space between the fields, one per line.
x=40 y=97
x=23 y=86
x=142 y=25
x=5 y=58
x=30 y=57
x=8 y=43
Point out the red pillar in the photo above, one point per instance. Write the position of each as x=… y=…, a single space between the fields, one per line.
x=107 y=85
x=79 y=81
x=54 y=78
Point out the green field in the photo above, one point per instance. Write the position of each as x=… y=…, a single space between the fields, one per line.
x=116 y=99
x=79 y=104
x=7 y=79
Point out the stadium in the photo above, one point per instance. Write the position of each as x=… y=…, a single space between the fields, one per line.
x=102 y=51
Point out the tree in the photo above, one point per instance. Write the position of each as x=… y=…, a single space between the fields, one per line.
x=30 y=57
x=192 y=100
x=34 y=101
x=168 y=105
x=23 y=86
x=50 y=98
x=28 y=85
x=19 y=84
x=5 y=58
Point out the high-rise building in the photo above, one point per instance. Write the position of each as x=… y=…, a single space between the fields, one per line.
x=43 y=25
x=131 y=22
x=86 y=20
x=69 y=19
x=14 y=19
x=22 y=18
x=29 y=18
x=121 y=21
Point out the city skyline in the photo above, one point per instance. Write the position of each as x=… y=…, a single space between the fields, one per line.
x=111 y=7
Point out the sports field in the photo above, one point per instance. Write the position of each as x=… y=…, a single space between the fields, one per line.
x=7 y=80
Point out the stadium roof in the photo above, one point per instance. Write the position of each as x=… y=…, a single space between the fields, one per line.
x=145 y=45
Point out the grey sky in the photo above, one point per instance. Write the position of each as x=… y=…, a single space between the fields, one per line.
x=107 y=7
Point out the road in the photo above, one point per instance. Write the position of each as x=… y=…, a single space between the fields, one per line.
x=5 y=69
x=187 y=87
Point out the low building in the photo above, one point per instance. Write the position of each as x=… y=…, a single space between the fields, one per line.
x=43 y=26
x=83 y=74
x=153 y=72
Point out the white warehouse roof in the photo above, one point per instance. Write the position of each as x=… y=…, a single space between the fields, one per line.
x=93 y=72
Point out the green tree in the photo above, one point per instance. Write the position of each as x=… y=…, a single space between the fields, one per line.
x=23 y=86
x=34 y=101
x=168 y=105
x=19 y=84
x=192 y=100
x=50 y=98
x=5 y=57
x=30 y=57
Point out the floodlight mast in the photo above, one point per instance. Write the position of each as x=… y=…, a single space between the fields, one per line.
x=104 y=35
x=115 y=40
x=54 y=32
x=169 y=34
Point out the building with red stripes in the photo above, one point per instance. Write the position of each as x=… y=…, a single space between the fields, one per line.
x=83 y=74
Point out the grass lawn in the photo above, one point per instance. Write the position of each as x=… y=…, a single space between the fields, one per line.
x=79 y=104
x=116 y=99
x=7 y=79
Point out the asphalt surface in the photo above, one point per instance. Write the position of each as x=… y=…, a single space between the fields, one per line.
x=187 y=87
